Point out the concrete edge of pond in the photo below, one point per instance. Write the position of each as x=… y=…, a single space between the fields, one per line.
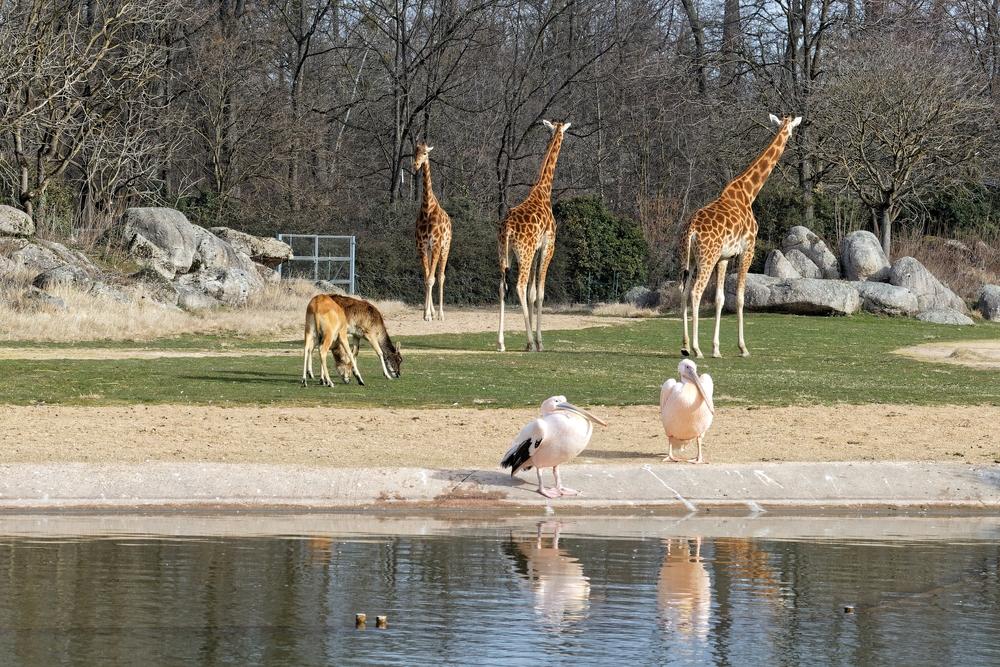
x=683 y=488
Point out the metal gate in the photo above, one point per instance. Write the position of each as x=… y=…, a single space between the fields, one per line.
x=318 y=257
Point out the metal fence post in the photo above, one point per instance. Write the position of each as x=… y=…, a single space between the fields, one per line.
x=353 y=286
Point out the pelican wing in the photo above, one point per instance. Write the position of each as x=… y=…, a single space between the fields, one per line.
x=707 y=384
x=667 y=391
x=524 y=445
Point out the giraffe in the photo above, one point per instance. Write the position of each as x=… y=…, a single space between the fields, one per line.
x=530 y=229
x=724 y=229
x=433 y=235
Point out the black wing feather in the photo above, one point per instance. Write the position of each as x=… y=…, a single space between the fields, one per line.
x=517 y=458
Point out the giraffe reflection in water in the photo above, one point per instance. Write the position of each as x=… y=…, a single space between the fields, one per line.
x=561 y=590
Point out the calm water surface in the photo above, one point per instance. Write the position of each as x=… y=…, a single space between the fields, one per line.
x=538 y=592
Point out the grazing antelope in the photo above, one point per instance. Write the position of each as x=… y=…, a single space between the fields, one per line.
x=327 y=321
x=364 y=321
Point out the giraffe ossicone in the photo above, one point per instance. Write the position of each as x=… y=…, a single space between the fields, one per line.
x=724 y=229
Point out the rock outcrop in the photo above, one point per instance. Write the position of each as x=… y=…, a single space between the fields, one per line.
x=885 y=299
x=988 y=303
x=802 y=296
x=805 y=241
x=804 y=266
x=14 y=222
x=931 y=294
x=944 y=316
x=861 y=257
x=778 y=266
x=267 y=251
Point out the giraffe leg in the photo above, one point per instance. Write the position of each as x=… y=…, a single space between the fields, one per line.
x=435 y=258
x=699 y=288
x=445 y=249
x=685 y=301
x=741 y=285
x=532 y=293
x=720 y=299
x=543 y=268
x=425 y=261
x=522 y=295
x=503 y=294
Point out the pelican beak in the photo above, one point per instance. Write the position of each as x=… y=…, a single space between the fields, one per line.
x=569 y=407
x=701 y=390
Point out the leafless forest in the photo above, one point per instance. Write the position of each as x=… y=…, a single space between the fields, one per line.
x=301 y=115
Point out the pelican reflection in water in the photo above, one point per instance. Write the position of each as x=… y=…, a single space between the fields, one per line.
x=561 y=590
x=684 y=590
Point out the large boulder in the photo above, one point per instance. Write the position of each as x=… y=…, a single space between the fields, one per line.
x=802 y=239
x=803 y=296
x=232 y=287
x=931 y=294
x=38 y=255
x=14 y=222
x=804 y=266
x=161 y=238
x=944 y=316
x=263 y=250
x=885 y=299
x=36 y=299
x=778 y=266
x=989 y=302
x=65 y=274
x=861 y=257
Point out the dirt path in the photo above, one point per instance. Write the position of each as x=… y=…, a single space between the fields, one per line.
x=979 y=354
x=457 y=438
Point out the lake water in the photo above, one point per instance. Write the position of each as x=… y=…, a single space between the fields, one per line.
x=283 y=590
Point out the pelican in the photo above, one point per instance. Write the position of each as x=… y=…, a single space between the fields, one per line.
x=684 y=590
x=559 y=435
x=686 y=408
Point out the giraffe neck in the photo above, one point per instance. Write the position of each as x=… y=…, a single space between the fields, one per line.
x=428 y=199
x=543 y=188
x=748 y=184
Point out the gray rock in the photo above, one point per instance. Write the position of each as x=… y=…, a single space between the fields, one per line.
x=232 y=287
x=66 y=274
x=642 y=297
x=15 y=222
x=885 y=299
x=803 y=296
x=34 y=257
x=944 y=316
x=989 y=302
x=861 y=257
x=267 y=274
x=267 y=251
x=804 y=266
x=931 y=294
x=111 y=292
x=669 y=295
x=777 y=266
x=36 y=299
x=193 y=299
x=161 y=238
x=802 y=239
x=328 y=287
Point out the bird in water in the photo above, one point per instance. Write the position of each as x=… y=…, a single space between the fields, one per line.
x=558 y=436
x=686 y=408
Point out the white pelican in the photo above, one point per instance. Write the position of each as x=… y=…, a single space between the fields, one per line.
x=686 y=408
x=561 y=589
x=559 y=435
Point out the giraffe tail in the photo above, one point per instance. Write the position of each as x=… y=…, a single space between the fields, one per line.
x=505 y=260
x=686 y=274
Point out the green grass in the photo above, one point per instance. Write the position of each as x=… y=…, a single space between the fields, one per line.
x=796 y=360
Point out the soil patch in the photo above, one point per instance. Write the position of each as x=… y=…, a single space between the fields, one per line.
x=978 y=354
x=470 y=438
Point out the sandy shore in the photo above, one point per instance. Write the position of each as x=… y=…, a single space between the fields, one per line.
x=459 y=438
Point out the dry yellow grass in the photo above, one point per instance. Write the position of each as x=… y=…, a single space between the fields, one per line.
x=623 y=310
x=274 y=314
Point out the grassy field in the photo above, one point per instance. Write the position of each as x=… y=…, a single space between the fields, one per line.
x=797 y=361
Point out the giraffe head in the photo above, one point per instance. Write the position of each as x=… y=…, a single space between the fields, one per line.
x=786 y=124
x=420 y=156
x=556 y=127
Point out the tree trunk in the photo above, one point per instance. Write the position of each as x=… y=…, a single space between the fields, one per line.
x=730 y=41
x=698 y=33
x=885 y=225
